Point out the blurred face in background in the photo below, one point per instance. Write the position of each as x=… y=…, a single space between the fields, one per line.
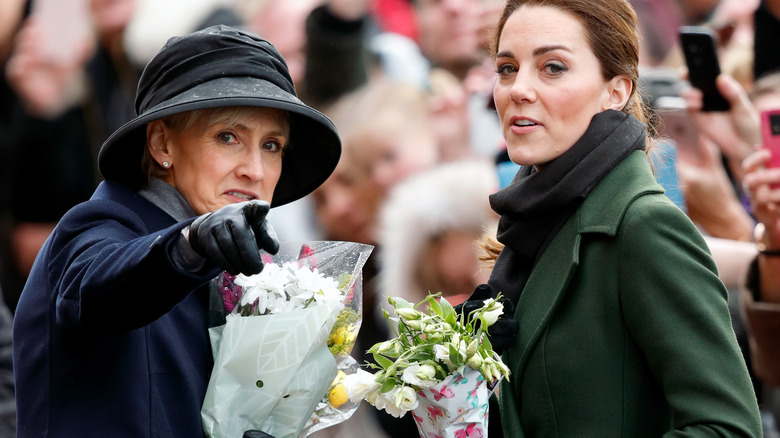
x=451 y=265
x=283 y=22
x=392 y=151
x=449 y=33
x=346 y=205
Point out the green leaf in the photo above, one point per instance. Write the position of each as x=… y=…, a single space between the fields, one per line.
x=382 y=361
x=421 y=357
x=436 y=307
x=387 y=386
x=374 y=348
x=486 y=345
x=451 y=318
x=455 y=357
x=402 y=303
x=446 y=307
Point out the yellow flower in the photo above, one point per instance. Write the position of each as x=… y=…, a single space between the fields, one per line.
x=338 y=396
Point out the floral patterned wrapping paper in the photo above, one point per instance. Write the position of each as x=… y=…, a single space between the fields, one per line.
x=455 y=408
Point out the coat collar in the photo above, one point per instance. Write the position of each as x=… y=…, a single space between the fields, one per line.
x=154 y=217
x=604 y=208
x=601 y=212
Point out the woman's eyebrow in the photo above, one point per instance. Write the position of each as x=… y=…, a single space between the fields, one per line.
x=546 y=49
x=277 y=132
x=537 y=52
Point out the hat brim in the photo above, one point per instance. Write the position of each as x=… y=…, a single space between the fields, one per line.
x=312 y=156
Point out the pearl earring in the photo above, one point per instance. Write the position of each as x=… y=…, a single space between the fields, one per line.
x=166 y=164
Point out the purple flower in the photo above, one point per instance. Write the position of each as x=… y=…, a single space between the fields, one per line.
x=231 y=293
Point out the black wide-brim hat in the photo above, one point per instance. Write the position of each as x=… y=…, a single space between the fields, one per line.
x=222 y=66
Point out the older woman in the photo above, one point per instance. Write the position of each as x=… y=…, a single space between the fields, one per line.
x=110 y=337
x=624 y=329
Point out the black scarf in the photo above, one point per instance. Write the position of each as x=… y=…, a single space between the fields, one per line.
x=536 y=204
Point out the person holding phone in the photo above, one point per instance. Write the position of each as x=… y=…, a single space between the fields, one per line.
x=760 y=297
x=624 y=327
x=712 y=184
x=760 y=294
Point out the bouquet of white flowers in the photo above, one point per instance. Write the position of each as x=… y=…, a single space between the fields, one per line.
x=281 y=355
x=441 y=366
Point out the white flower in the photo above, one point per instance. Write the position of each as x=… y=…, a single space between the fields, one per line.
x=416 y=325
x=278 y=289
x=472 y=348
x=408 y=313
x=377 y=399
x=475 y=361
x=359 y=385
x=422 y=376
x=493 y=312
x=387 y=347
x=400 y=401
x=406 y=399
x=308 y=282
x=442 y=353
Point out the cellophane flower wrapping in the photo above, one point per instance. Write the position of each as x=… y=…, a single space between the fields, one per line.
x=456 y=407
x=284 y=348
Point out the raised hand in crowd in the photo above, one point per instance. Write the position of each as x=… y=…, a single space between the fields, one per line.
x=761 y=184
x=710 y=198
x=47 y=87
x=736 y=131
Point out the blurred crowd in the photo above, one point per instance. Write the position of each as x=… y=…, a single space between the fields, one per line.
x=408 y=84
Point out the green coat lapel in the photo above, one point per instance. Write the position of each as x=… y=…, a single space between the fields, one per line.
x=601 y=212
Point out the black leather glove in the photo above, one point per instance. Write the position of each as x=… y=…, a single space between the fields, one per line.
x=256 y=434
x=232 y=236
x=503 y=333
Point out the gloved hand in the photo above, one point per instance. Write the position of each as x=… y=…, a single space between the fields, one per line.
x=256 y=434
x=232 y=236
x=503 y=333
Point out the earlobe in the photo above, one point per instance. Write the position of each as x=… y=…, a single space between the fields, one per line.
x=619 y=90
x=157 y=141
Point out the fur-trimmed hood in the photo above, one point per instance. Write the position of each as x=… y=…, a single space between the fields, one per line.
x=452 y=196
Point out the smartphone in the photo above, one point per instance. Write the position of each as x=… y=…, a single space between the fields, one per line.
x=770 y=134
x=675 y=124
x=699 y=48
x=65 y=25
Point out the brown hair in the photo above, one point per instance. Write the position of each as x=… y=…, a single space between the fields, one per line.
x=611 y=29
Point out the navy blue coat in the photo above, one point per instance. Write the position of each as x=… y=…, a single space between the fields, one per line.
x=110 y=339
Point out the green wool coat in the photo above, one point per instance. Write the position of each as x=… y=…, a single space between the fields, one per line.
x=624 y=327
